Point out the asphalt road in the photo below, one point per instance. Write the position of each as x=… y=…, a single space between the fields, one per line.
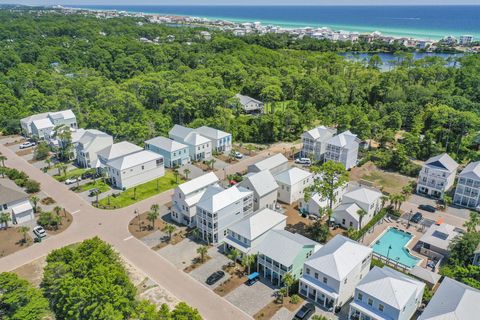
x=112 y=226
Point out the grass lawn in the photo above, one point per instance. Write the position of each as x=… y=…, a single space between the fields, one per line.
x=72 y=173
x=99 y=184
x=391 y=182
x=142 y=192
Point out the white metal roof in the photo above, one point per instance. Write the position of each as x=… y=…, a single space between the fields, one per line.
x=271 y=162
x=180 y=131
x=118 y=150
x=196 y=139
x=472 y=171
x=254 y=225
x=349 y=209
x=364 y=195
x=292 y=176
x=263 y=182
x=338 y=257
x=22 y=207
x=246 y=99
x=284 y=246
x=344 y=140
x=198 y=183
x=212 y=133
x=89 y=136
x=43 y=123
x=216 y=198
x=391 y=287
x=9 y=195
x=64 y=114
x=442 y=161
x=440 y=235
x=166 y=144
x=133 y=159
x=320 y=132
x=453 y=301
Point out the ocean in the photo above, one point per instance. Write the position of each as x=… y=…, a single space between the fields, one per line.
x=422 y=22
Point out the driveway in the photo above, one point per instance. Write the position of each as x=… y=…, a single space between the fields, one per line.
x=195 y=171
x=181 y=254
x=214 y=264
x=252 y=299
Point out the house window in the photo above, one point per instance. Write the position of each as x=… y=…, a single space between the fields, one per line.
x=316 y=275
x=345 y=282
x=324 y=279
x=359 y=296
x=380 y=307
x=307 y=270
x=143 y=167
x=351 y=224
x=370 y=301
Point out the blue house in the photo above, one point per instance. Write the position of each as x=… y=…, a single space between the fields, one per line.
x=174 y=153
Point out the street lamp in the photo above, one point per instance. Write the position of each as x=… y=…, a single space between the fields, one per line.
x=138 y=218
x=388 y=252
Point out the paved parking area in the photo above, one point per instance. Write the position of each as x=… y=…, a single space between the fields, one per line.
x=195 y=171
x=181 y=254
x=214 y=264
x=252 y=299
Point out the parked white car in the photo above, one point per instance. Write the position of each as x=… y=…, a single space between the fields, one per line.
x=39 y=232
x=238 y=155
x=72 y=180
x=27 y=144
x=305 y=161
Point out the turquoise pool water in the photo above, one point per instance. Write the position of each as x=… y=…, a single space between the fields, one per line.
x=396 y=240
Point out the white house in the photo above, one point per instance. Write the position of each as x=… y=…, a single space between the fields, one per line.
x=186 y=197
x=41 y=125
x=317 y=203
x=221 y=140
x=174 y=153
x=366 y=199
x=275 y=164
x=453 y=300
x=264 y=189
x=386 y=294
x=315 y=141
x=332 y=273
x=135 y=168
x=246 y=234
x=16 y=204
x=467 y=193
x=283 y=252
x=437 y=239
x=87 y=146
x=437 y=176
x=114 y=151
x=343 y=148
x=220 y=208
x=292 y=183
x=199 y=146
x=250 y=105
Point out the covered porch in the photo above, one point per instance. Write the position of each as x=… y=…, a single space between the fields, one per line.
x=316 y=292
x=359 y=312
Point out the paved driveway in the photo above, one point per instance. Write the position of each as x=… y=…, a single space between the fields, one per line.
x=214 y=264
x=182 y=254
x=195 y=171
x=251 y=299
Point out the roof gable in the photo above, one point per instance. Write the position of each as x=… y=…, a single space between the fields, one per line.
x=262 y=182
x=443 y=161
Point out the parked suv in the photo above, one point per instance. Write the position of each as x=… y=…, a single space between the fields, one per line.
x=39 y=232
x=305 y=161
x=427 y=207
x=305 y=312
x=416 y=218
x=214 y=277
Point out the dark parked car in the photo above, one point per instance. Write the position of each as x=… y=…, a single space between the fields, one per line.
x=305 y=312
x=214 y=277
x=89 y=175
x=427 y=207
x=416 y=218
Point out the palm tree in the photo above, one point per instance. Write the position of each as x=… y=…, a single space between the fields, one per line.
x=169 y=229
x=472 y=223
x=23 y=230
x=202 y=251
x=384 y=200
x=57 y=210
x=247 y=261
x=153 y=214
x=211 y=163
x=48 y=161
x=233 y=255
x=34 y=200
x=288 y=281
x=361 y=213
x=175 y=174
x=3 y=159
x=186 y=172
x=195 y=234
x=293 y=150
x=5 y=218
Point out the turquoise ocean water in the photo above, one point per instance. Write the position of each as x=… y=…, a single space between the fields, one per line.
x=424 y=22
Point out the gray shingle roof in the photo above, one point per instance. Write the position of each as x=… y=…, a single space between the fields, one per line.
x=246 y=99
x=443 y=161
x=9 y=195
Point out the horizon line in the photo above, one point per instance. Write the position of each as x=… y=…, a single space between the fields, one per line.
x=270 y=5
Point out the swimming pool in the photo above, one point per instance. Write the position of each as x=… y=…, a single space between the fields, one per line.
x=392 y=245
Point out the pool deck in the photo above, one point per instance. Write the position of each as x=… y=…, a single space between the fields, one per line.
x=373 y=235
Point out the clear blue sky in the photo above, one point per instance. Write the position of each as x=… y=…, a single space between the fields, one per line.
x=243 y=2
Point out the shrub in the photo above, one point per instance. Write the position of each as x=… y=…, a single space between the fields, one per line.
x=41 y=151
x=295 y=299
x=32 y=186
x=49 y=220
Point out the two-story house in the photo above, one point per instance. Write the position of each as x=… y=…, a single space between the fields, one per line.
x=264 y=189
x=275 y=164
x=437 y=176
x=41 y=125
x=332 y=273
x=386 y=294
x=246 y=234
x=315 y=141
x=221 y=140
x=16 y=204
x=220 y=208
x=453 y=300
x=343 y=148
x=316 y=203
x=467 y=192
x=186 y=196
x=361 y=199
x=135 y=168
x=292 y=183
x=250 y=105
x=200 y=148
x=87 y=146
x=283 y=252
x=174 y=153
x=114 y=151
